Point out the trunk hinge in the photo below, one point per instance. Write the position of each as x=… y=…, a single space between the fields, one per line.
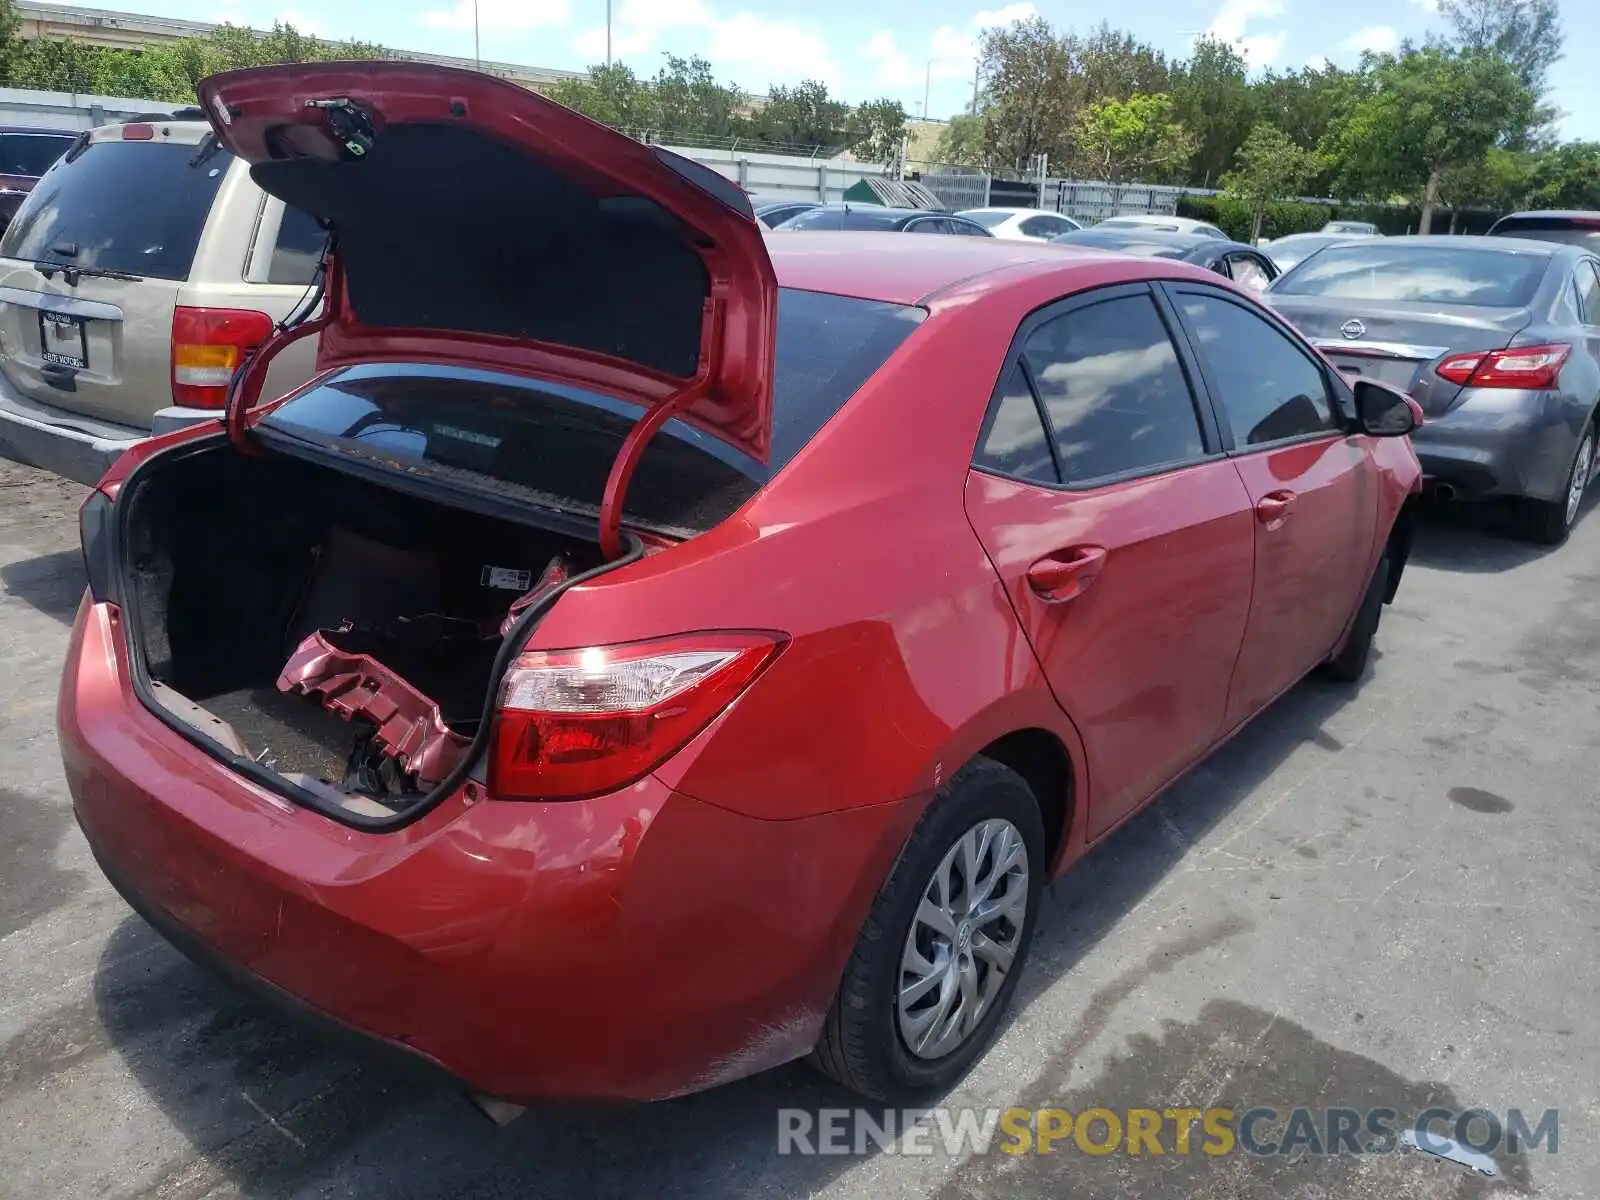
x=247 y=384
x=627 y=460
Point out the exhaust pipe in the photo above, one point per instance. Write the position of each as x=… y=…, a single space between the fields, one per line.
x=1442 y=491
x=501 y=1112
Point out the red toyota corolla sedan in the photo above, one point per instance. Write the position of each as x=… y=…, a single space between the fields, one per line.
x=645 y=653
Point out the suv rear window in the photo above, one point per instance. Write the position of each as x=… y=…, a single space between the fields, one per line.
x=121 y=206
x=1567 y=230
x=1432 y=274
x=30 y=154
x=560 y=442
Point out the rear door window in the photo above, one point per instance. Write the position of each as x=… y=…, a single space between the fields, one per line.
x=1249 y=273
x=138 y=207
x=1046 y=226
x=1014 y=441
x=299 y=248
x=1114 y=391
x=1587 y=286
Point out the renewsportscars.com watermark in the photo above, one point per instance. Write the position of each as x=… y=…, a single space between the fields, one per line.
x=1259 y=1131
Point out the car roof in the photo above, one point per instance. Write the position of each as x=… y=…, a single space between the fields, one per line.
x=910 y=270
x=1570 y=214
x=63 y=133
x=1001 y=208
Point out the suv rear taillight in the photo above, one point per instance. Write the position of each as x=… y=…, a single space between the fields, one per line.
x=208 y=346
x=1528 y=367
x=576 y=723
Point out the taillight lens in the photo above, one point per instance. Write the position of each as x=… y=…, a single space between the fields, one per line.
x=208 y=346
x=1529 y=367
x=576 y=723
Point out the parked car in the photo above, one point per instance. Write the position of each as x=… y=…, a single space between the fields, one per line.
x=1575 y=228
x=1352 y=228
x=1243 y=264
x=136 y=277
x=1021 y=224
x=25 y=155
x=773 y=212
x=1162 y=223
x=884 y=220
x=1497 y=338
x=399 y=700
x=1293 y=248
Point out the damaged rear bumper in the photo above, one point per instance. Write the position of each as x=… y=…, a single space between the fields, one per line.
x=635 y=946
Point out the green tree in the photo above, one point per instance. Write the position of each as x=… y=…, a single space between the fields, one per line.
x=1028 y=71
x=803 y=115
x=612 y=95
x=1212 y=98
x=961 y=143
x=689 y=102
x=10 y=44
x=1527 y=34
x=1270 y=166
x=1139 y=138
x=1500 y=180
x=1111 y=65
x=877 y=130
x=1429 y=111
x=1566 y=177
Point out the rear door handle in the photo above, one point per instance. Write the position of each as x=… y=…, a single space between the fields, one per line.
x=1066 y=574
x=1274 y=508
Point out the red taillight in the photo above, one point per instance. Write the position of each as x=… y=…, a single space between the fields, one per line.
x=208 y=346
x=576 y=723
x=1530 y=367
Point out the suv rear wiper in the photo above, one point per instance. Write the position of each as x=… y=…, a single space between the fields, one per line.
x=71 y=273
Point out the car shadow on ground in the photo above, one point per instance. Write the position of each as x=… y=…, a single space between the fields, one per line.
x=1481 y=538
x=270 y=1108
x=51 y=583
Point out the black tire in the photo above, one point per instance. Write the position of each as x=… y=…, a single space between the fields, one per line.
x=1350 y=663
x=861 y=1046
x=1544 y=522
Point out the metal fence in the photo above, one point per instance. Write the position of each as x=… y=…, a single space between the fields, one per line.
x=957 y=190
x=1082 y=199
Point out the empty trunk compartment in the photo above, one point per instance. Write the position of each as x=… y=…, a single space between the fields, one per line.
x=338 y=632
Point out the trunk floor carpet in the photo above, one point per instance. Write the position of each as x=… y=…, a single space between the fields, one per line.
x=297 y=734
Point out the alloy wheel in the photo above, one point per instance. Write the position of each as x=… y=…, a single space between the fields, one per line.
x=963 y=939
x=1579 y=481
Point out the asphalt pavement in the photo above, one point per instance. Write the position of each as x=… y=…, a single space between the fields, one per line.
x=1378 y=896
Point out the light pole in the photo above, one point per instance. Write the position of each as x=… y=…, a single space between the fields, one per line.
x=477 y=51
x=608 y=33
x=927 y=83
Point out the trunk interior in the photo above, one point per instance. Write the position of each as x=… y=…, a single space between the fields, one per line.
x=335 y=631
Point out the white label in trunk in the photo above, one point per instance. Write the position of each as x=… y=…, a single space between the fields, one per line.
x=507 y=578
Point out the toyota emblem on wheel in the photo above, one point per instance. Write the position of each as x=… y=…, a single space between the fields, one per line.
x=1352 y=328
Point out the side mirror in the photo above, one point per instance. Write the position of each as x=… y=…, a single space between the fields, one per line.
x=1384 y=411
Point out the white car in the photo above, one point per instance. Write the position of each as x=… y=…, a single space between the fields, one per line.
x=1162 y=223
x=1021 y=224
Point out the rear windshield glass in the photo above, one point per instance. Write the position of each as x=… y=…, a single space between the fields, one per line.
x=1552 y=229
x=1440 y=275
x=120 y=206
x=855 y=218
x=30 y=153
x=987 y=219
x=556 y=441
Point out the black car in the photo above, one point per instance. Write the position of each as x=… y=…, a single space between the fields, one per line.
x=885 y=220
x=1573 y=227
x=26 y=154
x=774 y=211
x=1243 y=264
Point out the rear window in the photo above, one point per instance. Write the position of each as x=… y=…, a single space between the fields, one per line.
x=855 y=218
x=560 y=442
x=31 y=153
x=1440 y=275
x=120 y=206
x=1552 y=229
x=987 y=219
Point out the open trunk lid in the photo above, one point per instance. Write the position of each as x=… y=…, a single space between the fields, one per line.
x=478 y=223
x=1398 y=342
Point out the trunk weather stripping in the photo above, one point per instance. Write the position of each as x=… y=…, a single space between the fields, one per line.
x=245 y=389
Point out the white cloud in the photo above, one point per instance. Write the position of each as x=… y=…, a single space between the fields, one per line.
x=591 y=43
x=302 y=23
x=777 y=51
x=893 y=68
x=1235 y=17
x=498 y=15
x=954 y=51
x=1380 y=39
x=1431 y=6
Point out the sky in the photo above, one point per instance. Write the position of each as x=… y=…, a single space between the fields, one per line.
x=916 y=53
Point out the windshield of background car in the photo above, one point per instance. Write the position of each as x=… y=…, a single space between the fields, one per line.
x=31 y=153
x=550 y=440
x=1552 y=229
x=138 y=207
x=1432 y=274
x=988 y=220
